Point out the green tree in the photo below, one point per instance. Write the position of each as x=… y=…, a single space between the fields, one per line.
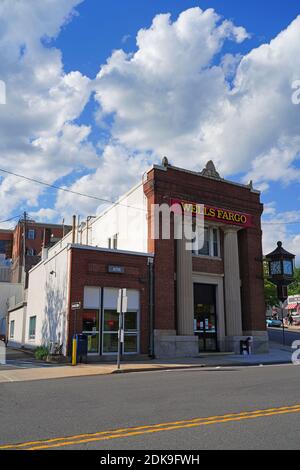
x=271 y=298
x=270 y=289
x=294 y=289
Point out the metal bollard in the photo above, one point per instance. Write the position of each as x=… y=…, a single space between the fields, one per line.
x=74 y=352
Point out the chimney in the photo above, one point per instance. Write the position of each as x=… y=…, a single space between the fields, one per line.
x=73 y=229
x=44 y=253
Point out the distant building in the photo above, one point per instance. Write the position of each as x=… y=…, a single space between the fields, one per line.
x=37 y=235
x=14 y=255
x=293 y=305
x=6 y=242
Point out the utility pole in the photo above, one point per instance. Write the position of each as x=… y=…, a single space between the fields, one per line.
x=24 y=247
x=121 y=309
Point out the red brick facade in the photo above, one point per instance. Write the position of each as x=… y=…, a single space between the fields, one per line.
x=41 y=233
x=163 y=185
x=90 y=268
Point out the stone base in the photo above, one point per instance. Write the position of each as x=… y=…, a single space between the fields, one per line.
x=172 y=346
x=260 y=344
x=260 y=341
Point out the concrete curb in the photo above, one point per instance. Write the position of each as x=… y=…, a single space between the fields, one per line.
x=198 y=366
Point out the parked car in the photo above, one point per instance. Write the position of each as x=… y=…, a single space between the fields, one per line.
x=296 y=320
x=271 y=322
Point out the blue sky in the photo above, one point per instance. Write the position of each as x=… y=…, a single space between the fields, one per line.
x=87 y=121
x=105 y=25
x=102 y=24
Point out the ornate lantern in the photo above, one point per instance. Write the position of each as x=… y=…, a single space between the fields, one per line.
x=281 y=270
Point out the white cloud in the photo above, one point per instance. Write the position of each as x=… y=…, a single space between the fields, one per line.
x=37 y=135
x=117 y=172
x=178 y=95
x=171 y=98
x=281 y=226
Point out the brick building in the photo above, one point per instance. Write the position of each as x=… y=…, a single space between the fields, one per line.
x=6 y=242
x=37 y=235
x=181 y=302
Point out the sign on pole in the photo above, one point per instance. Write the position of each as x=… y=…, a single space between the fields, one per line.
x=76 y=306
x=121 y=309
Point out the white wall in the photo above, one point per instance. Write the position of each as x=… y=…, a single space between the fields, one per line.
x=128 y=219
x=8 y=290
x=47 y=300
x=18 y=317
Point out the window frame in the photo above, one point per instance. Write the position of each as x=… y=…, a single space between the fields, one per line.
x=12 y=329
x=211 y=229
x=32 y=337
x=135 y=333
x=31 y=230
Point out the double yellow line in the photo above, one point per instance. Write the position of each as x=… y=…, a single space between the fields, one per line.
x=141 y=430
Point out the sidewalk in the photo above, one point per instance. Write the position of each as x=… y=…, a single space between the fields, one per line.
x=278 y=355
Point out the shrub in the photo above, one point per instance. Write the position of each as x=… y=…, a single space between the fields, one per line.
x=41 y=353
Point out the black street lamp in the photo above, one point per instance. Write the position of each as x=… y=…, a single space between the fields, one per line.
x=281 y=273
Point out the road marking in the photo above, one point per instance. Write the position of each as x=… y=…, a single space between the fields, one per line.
x=140 y=430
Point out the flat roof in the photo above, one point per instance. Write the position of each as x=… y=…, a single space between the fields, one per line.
x=109 y=250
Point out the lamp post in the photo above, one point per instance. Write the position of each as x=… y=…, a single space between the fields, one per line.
x=281 y=273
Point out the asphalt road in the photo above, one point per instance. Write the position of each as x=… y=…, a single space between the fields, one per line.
x=187 y=409
x=276 y=335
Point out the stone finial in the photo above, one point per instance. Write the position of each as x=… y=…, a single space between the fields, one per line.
x=165 y=162
x=250 y=185
x=210 y=171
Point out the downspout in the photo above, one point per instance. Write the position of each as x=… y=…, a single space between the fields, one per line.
x=151 y=306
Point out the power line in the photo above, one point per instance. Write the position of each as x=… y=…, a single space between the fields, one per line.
x=281 y=223
x=8 y=220
x=77 y=193
x=106 y=201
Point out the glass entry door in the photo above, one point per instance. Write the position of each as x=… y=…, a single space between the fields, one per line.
x=110 y=332
x=90 y=327
x=205 y=318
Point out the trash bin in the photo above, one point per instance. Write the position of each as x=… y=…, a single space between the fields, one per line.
x=246 y=346
x=82 y=347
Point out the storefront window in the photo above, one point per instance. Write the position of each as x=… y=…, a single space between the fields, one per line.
x=111 y=320
x=90 y=321
x=110 y=332
x=90 y=327
x=110 y=343
x=131 y=321
x=130 y=344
